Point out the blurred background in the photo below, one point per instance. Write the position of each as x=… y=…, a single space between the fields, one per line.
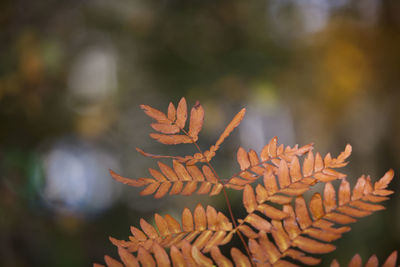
x=73 y=73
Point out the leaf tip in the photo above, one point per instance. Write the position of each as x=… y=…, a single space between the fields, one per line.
x=348 y=148
x=391 y=260
x=141 y=151
x=182 y=101
x=112 y=173
x=242 y=112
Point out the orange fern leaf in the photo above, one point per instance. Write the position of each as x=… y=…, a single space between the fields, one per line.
x=317 y=222
x=196 y=120
x=286 y=165
x=281 y=227
x=281 y=182
x=177 y=180
x=228 y=130
x=206 y=228
x=372 y=261
x=174 y=122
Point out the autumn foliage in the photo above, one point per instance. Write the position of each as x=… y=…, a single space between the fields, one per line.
x=280 y=228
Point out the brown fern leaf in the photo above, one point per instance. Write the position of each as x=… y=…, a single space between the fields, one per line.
x=184 y=255
x=227 y=131
x=372 y=261
x=278 y=189
x=279 y=224
x=177 y=180
x=310 y=229
x=285 y=164
x=205 y=228
x=169 y=126
x=173 y=123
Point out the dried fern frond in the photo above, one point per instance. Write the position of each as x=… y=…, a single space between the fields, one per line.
x=280 y=227
x=205 y=228
x=294 y=231
x=285 y=163
x=281 y=187
x=177 y=180
x=169 y=126
x=372 y=261
x=310 y=228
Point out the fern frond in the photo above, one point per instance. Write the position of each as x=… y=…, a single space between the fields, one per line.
x=280 y=188
x=180 y=179
x=286 y=165
x=372 y=261
x=311 y=230
x=169 y=126
x=173 y=123
x=205 y=228
x=280 y=225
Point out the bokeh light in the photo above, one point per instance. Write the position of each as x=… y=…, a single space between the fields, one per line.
x=76 y=177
